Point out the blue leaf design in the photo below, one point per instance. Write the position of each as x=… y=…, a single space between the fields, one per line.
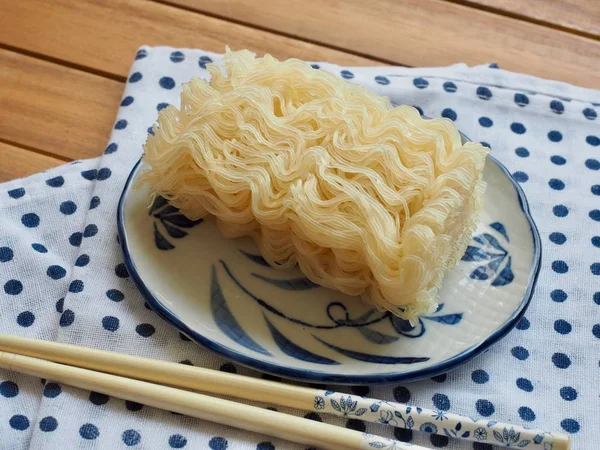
x=377 y=444
x=376 y=337
x=335 y=405
x=293 y=284
x=493 y=242
x=479 y=274
x=498 y=436
x=458 y=426
x=523 y=443
x=173 y=231
x=158 y=203
x=160 y=241
x=475 y=254
x=500 y=229
x=408 y=409
x=447 y=432
x=360 y=411
x=376 y=359
x=448 y=319
x=225 y=319
x=255 y=258
x=329 y=393
x=439 y=308
x=419 y=410
x=181 y=221
x=294 y=350
x=506 y=276
x=398 y=414
x=538 y=438
x=168 y=210
x=491 y=423
x=466 y=434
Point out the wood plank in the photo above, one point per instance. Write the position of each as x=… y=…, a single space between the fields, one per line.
x=579 y=15
x=16 y=162
x=56 y=109
x=105 y=35
x=423 y=33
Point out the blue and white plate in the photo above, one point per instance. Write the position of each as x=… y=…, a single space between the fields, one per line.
x=223 y=295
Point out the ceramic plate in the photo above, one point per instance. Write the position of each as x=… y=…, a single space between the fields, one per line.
x=223 y=295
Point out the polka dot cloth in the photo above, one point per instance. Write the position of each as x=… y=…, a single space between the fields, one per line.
x=62 y=275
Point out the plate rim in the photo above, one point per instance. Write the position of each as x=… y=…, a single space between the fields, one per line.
x=316 y=376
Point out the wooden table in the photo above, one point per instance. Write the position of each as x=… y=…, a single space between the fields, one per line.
x=63 y=62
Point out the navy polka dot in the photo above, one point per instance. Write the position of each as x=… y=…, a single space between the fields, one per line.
x=52 y=390
x=420 y=83
x=595 y=215
x=523 y=324
x=596 y=298
x=484 y=93
x=104 y=174
x=177 y=57
x=39 y=248
x=558 y=238
x=595 y=268
x=127 y=101
x=589 y=113
x=133 y=406
x=521 y=99
x=121 y=124
x=526 y=414
x=568 y=393
x=90 y=230
x=402 y=434
x=521 y=177
x=595 y=189
x=227 y=367
x=218 y=443
x=596 y=330
x=9 y=389
x=13 y=287
x=560 y=211
x=439 y=441
x=177 y=441
x=570 y=425
x=418 y=109
x=110 y=323
x=48 y=424
x=439 y=378
x=561 y=360
x=560 y=266
x=203 y=61
x=98 y=399
x=67 y=318
x=484 y=407
x=16 y=193
x=401 y=394
x=596 y=241
x=76 y=286
x=19 y=422
x=135 y=77
x=55 y=182
x=89 y=431
x=485 y=122
x=480 y=376
x=522 y=152
x=557 y=107
x=593 y=141
x=449 y=114
x=520 y=353
x=115 y=295
x=89 y=174
x=121 y=271
x=6 y=254
x=161 y=106
x=380 y=79
x=347 y=74
x=441 y=401
x=558 y=160
x=266 y=446
x=145 y=330
x=363 y=391
x=166 y=83
x=555 y=136
x=111 y=148
x=556 y=184
x=26 y=319
x=141 y=54
x=68 y=207
x=60 y=305
x=517 y=128
x=30 y=220
x=592 y=164
x=94 y=202
x=75 y=239
x=449 y=86
x=524 y=384
x=562 y=326
x=82 y=260
x=131 y=438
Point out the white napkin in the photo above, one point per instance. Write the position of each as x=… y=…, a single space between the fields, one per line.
x=63 y=279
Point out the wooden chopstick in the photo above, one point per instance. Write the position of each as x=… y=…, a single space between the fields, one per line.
x=204 y=407
x=282 y=394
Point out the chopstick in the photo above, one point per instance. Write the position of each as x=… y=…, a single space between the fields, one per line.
x=339 y=404
x=213 y=409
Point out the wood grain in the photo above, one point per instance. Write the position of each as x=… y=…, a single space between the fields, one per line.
x=579 y=15
x=105 y=35
x=56 y=109
x=16 y=162
x=423 y=33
